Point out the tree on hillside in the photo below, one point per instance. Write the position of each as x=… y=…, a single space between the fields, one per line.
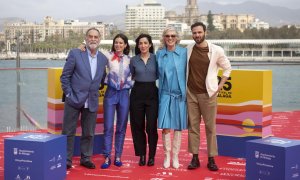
x=210 y=22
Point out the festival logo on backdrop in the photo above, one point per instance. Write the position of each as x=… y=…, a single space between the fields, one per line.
x=226 y=90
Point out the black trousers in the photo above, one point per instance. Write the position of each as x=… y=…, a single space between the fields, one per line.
x=143 y=117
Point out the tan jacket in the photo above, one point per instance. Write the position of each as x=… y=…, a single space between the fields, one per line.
x=218 y=59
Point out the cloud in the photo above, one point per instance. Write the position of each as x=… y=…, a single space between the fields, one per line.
x=59 y=9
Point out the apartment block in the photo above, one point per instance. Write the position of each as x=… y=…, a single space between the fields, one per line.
x=29 y=32
x=149 y=16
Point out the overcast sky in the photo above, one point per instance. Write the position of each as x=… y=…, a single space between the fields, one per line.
x=36 y=10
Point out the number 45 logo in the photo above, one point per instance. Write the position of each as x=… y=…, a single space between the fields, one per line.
x=227 y=85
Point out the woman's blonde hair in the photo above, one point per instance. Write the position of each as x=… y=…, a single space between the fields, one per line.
x=169 y=28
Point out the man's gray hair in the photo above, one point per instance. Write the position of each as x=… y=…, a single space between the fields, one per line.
x=92 y=28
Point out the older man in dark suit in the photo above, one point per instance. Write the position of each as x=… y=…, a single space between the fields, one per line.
x=81 y=78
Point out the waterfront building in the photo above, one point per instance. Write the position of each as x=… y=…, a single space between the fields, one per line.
x=234 y=21
x=181 y=27
x=297 y=26
x=29 y=32
x=2 y=41
x=149 y=16
x=190 y=15
x=191 y=12
x=257 y=24
x=2 y=37
x=220 y=21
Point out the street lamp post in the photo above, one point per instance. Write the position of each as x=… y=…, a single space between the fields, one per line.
x=18 y=65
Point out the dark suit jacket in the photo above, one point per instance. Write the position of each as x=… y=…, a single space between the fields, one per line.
x=76 y=79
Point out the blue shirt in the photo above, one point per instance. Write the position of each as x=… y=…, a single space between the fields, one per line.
x=142 y=72
x=93 y=64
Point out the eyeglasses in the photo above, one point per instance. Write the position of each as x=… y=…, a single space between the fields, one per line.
x=168 y=36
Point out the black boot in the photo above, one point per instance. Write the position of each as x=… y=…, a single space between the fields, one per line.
x=195 y=163
x=142 y=161
x=150 y=161
x=211 y=165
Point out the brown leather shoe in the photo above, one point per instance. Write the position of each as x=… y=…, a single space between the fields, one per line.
x=211 y=165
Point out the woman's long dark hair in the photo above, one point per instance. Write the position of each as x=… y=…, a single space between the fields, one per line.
x=149 y=38
x=125 y=39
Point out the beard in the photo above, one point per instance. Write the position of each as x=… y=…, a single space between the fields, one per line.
x=199 y=40
x=92 y=46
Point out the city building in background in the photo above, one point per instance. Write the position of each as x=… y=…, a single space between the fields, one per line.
x=2 y=42
x=190 y=15
x=220 y=21
x=2 y=37
x=257 y=24
x=32 y=32
x=223 y=21
x=149 y=16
